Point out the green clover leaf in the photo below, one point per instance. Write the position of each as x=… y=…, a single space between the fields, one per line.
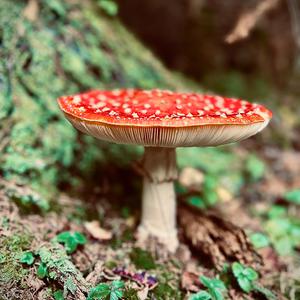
x=245 y=276
x=215 y=287
x=213 y=283
x=71 y=245
x=237 y=269
x=58 y=295
x=80 y=238
x=103 y=290
x=42 y=271
x=63 y=236
x=244 y=283
x=71 y=240
x=27 y=258
x=259 y=240
x=116 y=290
x=202 y=295
x=250 y=274
x=293 y=196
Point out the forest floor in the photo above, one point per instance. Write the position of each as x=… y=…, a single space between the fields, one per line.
x=39 y=263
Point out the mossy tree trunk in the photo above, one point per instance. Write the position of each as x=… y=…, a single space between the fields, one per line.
x=50 y=48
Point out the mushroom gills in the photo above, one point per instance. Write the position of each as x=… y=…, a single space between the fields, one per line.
x=193 y=136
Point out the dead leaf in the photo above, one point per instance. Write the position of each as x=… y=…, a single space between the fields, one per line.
x=271 y=261
x=190 y=281
x=224 y=195
x=35 y=283
x=97 y=232
x=191 y=179
x=131 y=221
x=143 y=294
x=183 y=253
x=94 y=277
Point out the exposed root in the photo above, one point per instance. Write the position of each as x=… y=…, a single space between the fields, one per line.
x=216 y=238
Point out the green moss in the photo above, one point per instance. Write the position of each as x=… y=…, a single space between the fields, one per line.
x=142 y=259
x=131 y=294
x=56 y=259
x=11 y=249
x=165 y=291
x=168 y=287
x=27 y=201
x=60 y=267
x=111 y=264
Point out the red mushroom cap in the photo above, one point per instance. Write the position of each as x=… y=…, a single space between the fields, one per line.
x=127 y=113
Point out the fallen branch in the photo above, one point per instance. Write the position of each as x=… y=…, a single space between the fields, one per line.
x=249 y=19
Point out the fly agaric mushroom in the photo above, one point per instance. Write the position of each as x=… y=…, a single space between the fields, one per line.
x=162 y=120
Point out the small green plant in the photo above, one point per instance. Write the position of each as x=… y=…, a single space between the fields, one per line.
x=42 y=271
x=58 y=295
x=276 y=211
x=208 y=196
x=130 y=293
x=245 y=276
x=125 y=212
x=264 y=291
x=71 y=240
x=215 y=289
x=164 y=289
x=255 y=168
x=104 y=291
x=259 y=240
x=202 y=295
x=55 y=263
x=27 y=258
x=28 y=201
x=293 y=196
x=196 y=201
x=210 y=185
x=283 y=230
x=247 y=280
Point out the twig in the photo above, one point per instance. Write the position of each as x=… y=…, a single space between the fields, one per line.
x=249 y=19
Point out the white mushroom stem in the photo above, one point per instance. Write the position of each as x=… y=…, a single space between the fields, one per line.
x=158 y=200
